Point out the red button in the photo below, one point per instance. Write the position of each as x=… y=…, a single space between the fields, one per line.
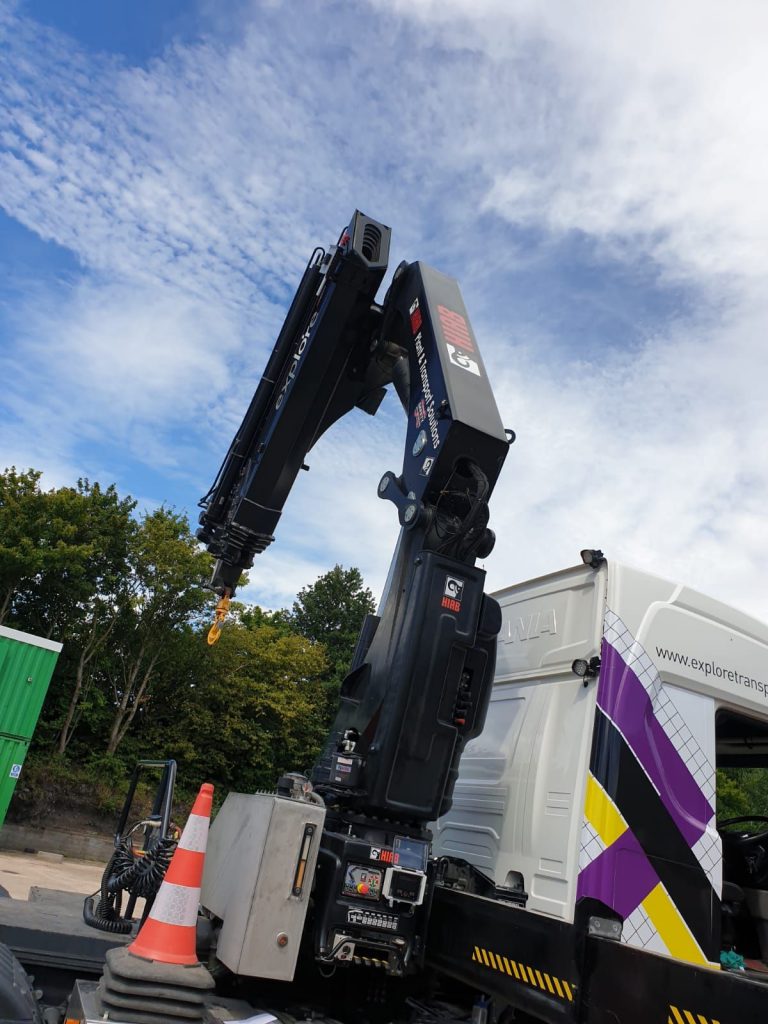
x=363 y=889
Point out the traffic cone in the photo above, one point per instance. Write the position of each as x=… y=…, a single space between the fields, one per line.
x=168 y=934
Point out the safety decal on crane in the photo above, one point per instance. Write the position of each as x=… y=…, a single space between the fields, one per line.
x=680 y=1016
x=524 y=973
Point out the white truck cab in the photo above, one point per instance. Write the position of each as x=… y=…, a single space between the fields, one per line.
x=601 y=788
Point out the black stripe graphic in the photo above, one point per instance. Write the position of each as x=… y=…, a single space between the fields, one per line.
x=619 y=772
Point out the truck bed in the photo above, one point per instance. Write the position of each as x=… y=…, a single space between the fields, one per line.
x=48 y=935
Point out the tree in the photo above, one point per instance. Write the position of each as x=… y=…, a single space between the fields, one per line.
x=63 y=564
x=166 y=594
x=254 y=617
x=252 y=709
x=105 y=584
x=741 y=791
x=25 y=534
x=331 y=612
x=57 y=548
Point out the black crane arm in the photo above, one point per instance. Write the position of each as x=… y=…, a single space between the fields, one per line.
x=338 y=350
x=420 y=682
x=318 y=371
x=405 y=702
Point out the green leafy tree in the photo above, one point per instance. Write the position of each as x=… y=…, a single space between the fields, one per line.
x=83 y=541
x=741 y=791
x=166 y=593
x=331 y=612
x=105 y=582
x=251 y=708
x=63 y=565
x=254 y=617
x=21 y=524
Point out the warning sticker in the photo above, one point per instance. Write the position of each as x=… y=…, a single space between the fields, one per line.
x=15 y=771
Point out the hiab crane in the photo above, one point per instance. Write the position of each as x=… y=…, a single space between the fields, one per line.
x=419 y=686
x=571 y=867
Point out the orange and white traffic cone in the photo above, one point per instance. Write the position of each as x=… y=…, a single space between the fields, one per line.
x=169 y=932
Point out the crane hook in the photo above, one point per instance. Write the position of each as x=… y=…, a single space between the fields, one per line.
x=219 y=615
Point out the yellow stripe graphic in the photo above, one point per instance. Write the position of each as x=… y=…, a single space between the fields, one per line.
x=532 y=975
x=601 y=812
x=666 y=919
x=683 y=1016
x=606 y=819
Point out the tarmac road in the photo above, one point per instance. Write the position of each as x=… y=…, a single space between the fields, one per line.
x=18 y=871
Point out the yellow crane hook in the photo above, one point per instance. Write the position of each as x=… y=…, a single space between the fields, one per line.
x=219 y=615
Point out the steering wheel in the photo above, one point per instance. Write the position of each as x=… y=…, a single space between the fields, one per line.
x=746 y=853
x=762 y=818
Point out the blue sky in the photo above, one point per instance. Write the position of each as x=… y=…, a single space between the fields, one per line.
x=593 y=177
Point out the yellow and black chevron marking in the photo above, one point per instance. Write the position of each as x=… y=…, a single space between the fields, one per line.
x=677 y=1016
x=530 y=975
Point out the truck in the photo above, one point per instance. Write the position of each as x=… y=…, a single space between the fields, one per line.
x=514 y=814
x=590 y=802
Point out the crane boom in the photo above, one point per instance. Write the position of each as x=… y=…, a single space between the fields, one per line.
x=419 y=686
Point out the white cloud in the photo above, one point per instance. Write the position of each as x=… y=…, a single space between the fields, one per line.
x=192 y=189
x=639 y=125
x=658 y=460
x=638 y=120
x=135 y=368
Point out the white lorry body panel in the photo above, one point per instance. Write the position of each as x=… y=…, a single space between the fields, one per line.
x=519 y=807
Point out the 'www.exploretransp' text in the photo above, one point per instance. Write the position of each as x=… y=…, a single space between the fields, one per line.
x=711 y=668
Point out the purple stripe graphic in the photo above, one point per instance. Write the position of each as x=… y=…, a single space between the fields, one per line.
x=623 y=698
x=621 y=876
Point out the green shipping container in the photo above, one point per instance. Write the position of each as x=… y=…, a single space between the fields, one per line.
x=12 y=754
x=26 y=666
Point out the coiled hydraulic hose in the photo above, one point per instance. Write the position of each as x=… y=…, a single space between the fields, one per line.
x=138 y=875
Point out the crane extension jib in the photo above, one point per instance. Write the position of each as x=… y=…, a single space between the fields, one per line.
x=317 y=372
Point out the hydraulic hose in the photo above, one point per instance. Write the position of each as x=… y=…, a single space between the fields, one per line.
x=139 y=876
